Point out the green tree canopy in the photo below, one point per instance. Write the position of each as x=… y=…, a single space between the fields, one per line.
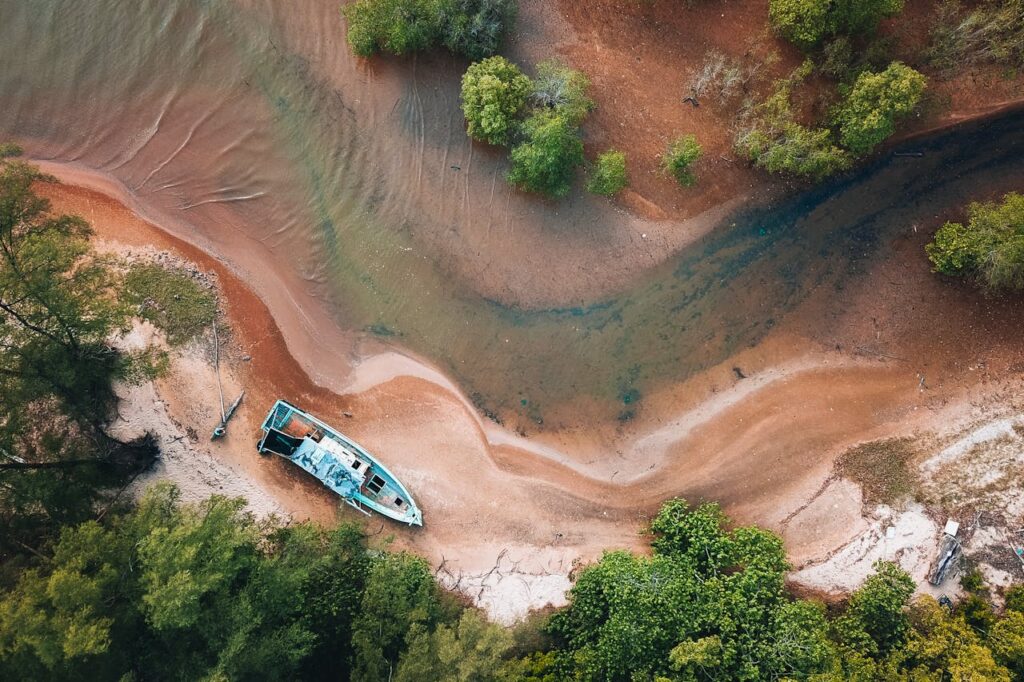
x=472 y=28
x=870 y=109
x=59 y=309
x=549 y=155
x=806 y=23
x=493 y=93
x=990 y=246
x=776 y=142
x=176 y=591
x=709 y=604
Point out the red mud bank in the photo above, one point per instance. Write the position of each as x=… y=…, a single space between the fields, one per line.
x=643 y=57
x=837 y=374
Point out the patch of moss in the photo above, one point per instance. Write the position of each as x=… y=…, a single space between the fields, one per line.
x=172 y=300
x=883 y=469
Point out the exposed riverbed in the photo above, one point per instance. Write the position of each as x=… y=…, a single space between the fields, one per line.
x=352 y=187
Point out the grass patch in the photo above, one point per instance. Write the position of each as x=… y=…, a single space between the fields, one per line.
x=172 y=300
x=882 y=468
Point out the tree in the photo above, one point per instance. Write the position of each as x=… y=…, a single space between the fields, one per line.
x=608 y=176
x=875 y=621
x=678 y=159
x=990 y=246
x=58 y=306
x=710 y=604
x=493 y=93
x=58 y=311
x=173 y=591
x=400 y=605
x=776 y=142
x=470 y=650
x=795 y=149
x=941 y=644
x=805 y=23
x=1006 y=640
x=988 y=32
x=870 y=109
x=548 y=156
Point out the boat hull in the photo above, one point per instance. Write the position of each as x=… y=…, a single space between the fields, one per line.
x=341 y=464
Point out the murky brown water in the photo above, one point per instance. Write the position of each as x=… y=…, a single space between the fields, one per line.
x=252 y=122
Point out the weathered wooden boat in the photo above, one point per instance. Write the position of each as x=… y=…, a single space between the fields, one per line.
x=340 y=463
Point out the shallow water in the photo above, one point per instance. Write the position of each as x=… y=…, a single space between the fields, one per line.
x=252 y=118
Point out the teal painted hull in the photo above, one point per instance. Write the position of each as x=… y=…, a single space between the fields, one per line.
x=338 y=462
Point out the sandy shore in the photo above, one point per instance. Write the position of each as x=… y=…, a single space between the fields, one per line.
x=762 y=444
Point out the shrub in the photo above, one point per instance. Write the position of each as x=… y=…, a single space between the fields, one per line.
x=560 y=88
x=992 y=32
x=678 y=159
x=609 y=174
x=544 y=162
x=794 y=149
x=990 y=247
x=493 y=92
x=473 y=28
x=837 y=57
x=868 y=113
x=9 y=149
x=171 y=300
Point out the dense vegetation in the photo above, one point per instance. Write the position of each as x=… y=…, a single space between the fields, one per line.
x=173 y=591
x=775 y=141
x=989 y=248
x=203 y=591
x=867 y=113
x=472 y=28
x=710 y=604
x=58 y=311
x=548 y=147
x=95 y=589
x=549 y=153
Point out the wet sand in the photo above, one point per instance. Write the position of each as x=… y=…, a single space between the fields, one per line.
x=762 y=445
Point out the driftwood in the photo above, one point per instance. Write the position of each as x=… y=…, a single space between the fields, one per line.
x=225 y=415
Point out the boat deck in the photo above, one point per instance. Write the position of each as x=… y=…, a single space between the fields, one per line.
x=340 y=464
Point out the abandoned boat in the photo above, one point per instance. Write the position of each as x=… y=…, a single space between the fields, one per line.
x=340 y=463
